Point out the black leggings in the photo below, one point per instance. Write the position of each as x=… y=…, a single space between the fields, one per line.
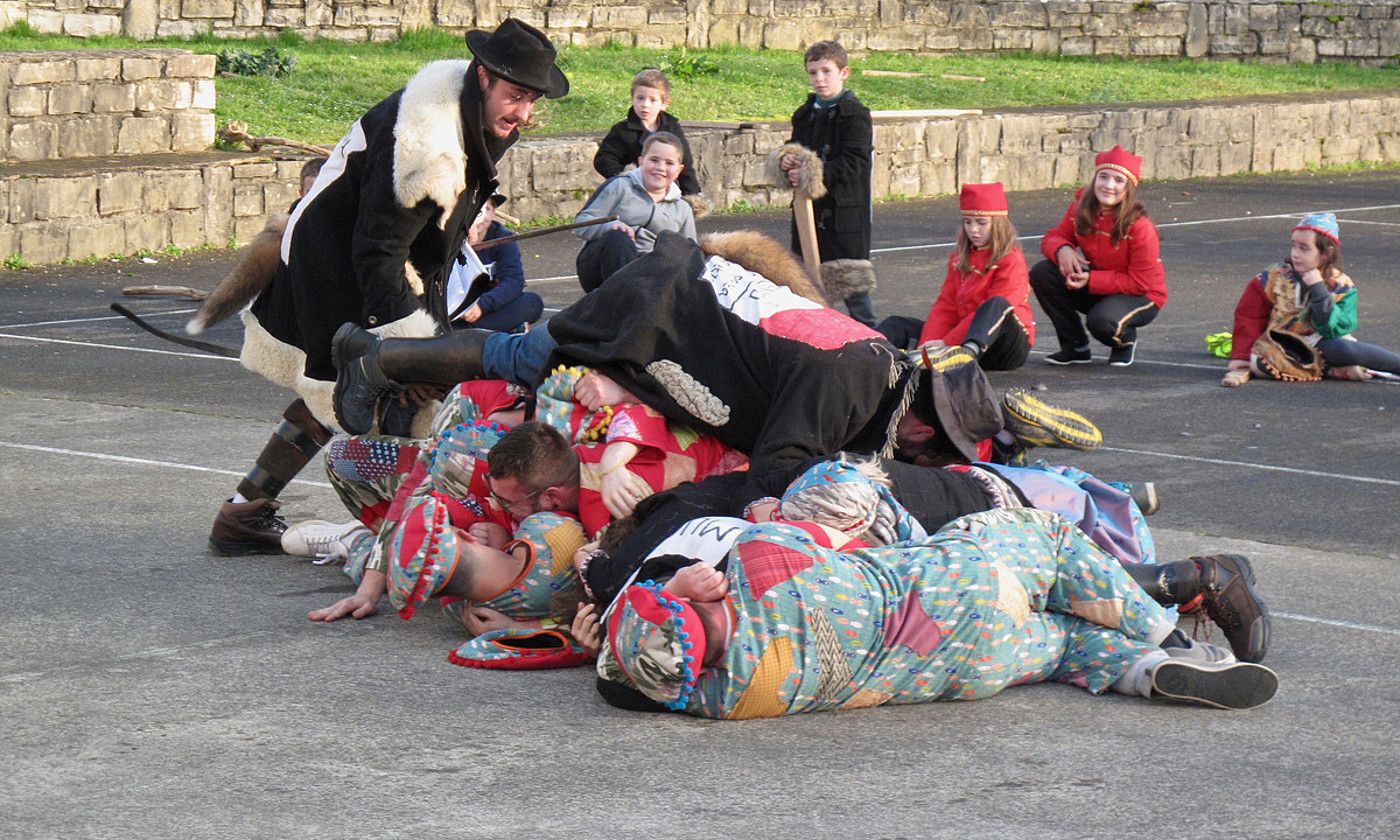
x=1112 y=319
x=1341 y=352
x=1004 y=342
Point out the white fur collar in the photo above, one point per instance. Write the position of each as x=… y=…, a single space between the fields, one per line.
x=430 y=159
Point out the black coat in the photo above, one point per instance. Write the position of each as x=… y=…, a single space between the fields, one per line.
x=623 y=145
x=841 y=134
x=374 y=240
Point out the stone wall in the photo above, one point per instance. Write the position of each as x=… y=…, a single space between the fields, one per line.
x=86 y=103
x=1026 y=150
x=1268 y=30
x=105 y=206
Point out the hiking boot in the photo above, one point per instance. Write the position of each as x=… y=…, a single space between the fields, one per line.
x=1122 y=356
x=322 y=539
x=247 y=528
x=1228 y=598
x=359 y=380
x=1034 y=422
x=1071 y=356
x=1233 y=685
x=1181 y=646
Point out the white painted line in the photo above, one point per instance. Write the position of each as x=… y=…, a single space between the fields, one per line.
x=556 y=279
x=1224 y=220
x=145 y=462
x=1388 y=482
x=118 y=347
x=1368 y=222
x=1349 y=625
x=90 y=320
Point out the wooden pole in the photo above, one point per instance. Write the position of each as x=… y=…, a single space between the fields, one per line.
x=807 y=232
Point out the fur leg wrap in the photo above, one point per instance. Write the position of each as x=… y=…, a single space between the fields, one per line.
x=843 y=278
x=812 y=172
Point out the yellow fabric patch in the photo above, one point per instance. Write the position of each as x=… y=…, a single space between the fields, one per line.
x=762 y=698
x=1105 y=613
x=866 y=698
x=564 y=540
x=1012 y=597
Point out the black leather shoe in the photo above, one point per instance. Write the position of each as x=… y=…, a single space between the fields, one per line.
x=359 y=380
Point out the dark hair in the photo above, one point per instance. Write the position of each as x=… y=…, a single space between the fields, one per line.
x=663 y=137
x=536 y=455
x=1125 y=212
x=824 y=50
x=652 y=78
x=311 y=168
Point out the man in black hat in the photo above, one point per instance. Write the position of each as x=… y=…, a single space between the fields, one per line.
x=373 y=241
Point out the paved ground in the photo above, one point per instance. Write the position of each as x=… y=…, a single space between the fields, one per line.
x=150 y=690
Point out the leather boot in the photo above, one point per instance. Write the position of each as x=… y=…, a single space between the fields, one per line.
x=247 y=528
x=368 y=367
x=1222 y=586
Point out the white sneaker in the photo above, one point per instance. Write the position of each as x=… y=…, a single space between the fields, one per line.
x=319 y=538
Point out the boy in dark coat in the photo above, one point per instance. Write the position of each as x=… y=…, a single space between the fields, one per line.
x=835 y=129
x=372 y=242
x=651 y=93
x=496 y=298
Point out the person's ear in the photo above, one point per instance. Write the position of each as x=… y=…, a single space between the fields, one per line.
x=549 y=498
x=481 y=77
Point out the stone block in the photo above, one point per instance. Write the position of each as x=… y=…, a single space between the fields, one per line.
x=202 y=95
x=783 y=35
x=1077 y=45
x=279 y=196
x=1111 y=45
x=218 y=193
x=43 y=242
x=190 y=67
x=1021 y=133
x=244 y=229
x=1363 y=47
x=191 y=132
x=660 y=36
x=19 y=204
x=146 y=232
x=27 y=101
x=891 y=40
x=47 y=21
x=248 y=13
x=1236 y=158
x=65 y=197
x=118 y=192
x=156 y=95
x=1197 y=41
x=184 y=190
x=247 y=200
x=569 y=17
x=42 y=72
x=91 y=26
x=941 y=140
x=113 y=98
x=657 y=14
x=1343 y=149
x=92 y=135
x=187 y=228
x=1014 y=39
x=100 y=238
x=1205 y=161
x=220 y=9
x=136 y=69
x=1160 y=46
x=37 y=140
x=143 y=135
x=1303 y=51
x=97 y=69
x=1331 y=47
x=261 y=169
x=70 y=99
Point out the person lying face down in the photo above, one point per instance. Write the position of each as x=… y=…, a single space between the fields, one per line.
x=789 y=625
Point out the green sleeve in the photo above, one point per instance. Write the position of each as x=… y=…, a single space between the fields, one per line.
x=1342 y=319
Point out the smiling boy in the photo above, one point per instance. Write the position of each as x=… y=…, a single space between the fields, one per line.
x=651 y=96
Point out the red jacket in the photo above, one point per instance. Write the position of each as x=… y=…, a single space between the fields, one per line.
x=952 y=311
x=1133 y=267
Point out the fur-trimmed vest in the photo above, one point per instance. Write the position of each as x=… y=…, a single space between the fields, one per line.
x=373 y=240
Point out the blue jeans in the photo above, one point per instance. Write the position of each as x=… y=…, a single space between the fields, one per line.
x=518 y=357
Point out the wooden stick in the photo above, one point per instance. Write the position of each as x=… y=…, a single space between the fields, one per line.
x=807 y=232
x=237 y=132
x=177 y=291
x=530 y=234
x=508 y=218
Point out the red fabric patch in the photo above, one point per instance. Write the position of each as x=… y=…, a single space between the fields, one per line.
x=825 y=329
x=766 y=565
x=911 y=626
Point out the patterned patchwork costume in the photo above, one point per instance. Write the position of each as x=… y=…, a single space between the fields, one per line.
x=995 y=599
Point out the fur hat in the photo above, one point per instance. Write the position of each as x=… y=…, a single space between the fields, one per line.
x=1121 y=160
x=519 y=53
x=811 y=169
x=654 y=642
x=1323 y=223
x=983 y=200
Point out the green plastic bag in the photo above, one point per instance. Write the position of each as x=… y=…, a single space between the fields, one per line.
x=1219 y=344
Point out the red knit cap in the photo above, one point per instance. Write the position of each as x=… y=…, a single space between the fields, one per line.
x=1120 y=159
x=982 y=199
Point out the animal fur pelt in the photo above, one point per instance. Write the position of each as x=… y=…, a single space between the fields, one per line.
x=812 y=172
x=764 y=255
x=843 y=278
x=256 y=267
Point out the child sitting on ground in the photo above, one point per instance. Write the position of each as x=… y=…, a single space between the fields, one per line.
x=647 y=203
x=1102 y=259
x=1306 y=295
x=651 y=95
x=489 y=285
x=984 y=304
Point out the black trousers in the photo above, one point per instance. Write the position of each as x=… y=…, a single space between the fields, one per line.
x=1112 y=319
x=1004 y=342
x=1339 y=352
x=602 y=256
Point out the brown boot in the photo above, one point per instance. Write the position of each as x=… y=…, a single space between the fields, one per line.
x=247 y=528
x=1228 y=598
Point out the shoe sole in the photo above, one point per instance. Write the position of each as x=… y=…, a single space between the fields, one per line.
x=1068 y=428
x=240 y=548
x=1064 y=362
x=1242 y=685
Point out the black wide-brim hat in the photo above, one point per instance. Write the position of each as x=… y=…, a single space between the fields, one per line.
x=519 y=53
x=961 y=398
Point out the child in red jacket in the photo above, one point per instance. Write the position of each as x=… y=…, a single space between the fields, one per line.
x=984 y=304
x=1101 y=260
